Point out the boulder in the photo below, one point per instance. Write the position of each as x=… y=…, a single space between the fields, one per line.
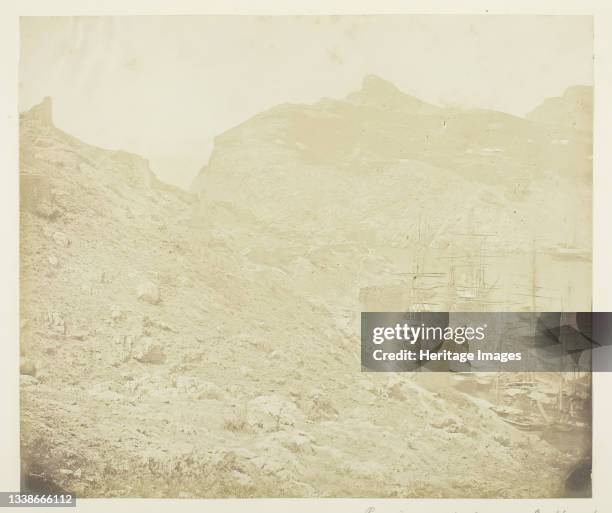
x=396 y=388
x=149 y=292
x=208 y=390
x=146 y=350
x=26 y=380
x=241 y=479
x=189 y=385
x=274 y=459
x=61 y=239
x=320 y=406
x=46 y=209
x=27 y=367
x=56 y=323
x=79 y=334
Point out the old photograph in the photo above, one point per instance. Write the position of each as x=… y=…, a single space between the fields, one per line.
x=209 y=203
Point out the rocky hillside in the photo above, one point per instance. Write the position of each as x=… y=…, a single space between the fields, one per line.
x=572 y=110
x=207 y=344
x=380 y=159
x=383 y=182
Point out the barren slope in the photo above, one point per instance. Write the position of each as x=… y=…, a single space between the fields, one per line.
x=176 y=346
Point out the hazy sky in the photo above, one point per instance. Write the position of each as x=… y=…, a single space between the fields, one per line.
x=164 y=87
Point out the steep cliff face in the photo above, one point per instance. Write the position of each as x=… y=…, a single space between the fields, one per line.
x=65 y=154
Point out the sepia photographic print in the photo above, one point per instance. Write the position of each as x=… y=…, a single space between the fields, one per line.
x=209 y=203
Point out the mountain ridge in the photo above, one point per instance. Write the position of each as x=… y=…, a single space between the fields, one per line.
x=398 y=110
